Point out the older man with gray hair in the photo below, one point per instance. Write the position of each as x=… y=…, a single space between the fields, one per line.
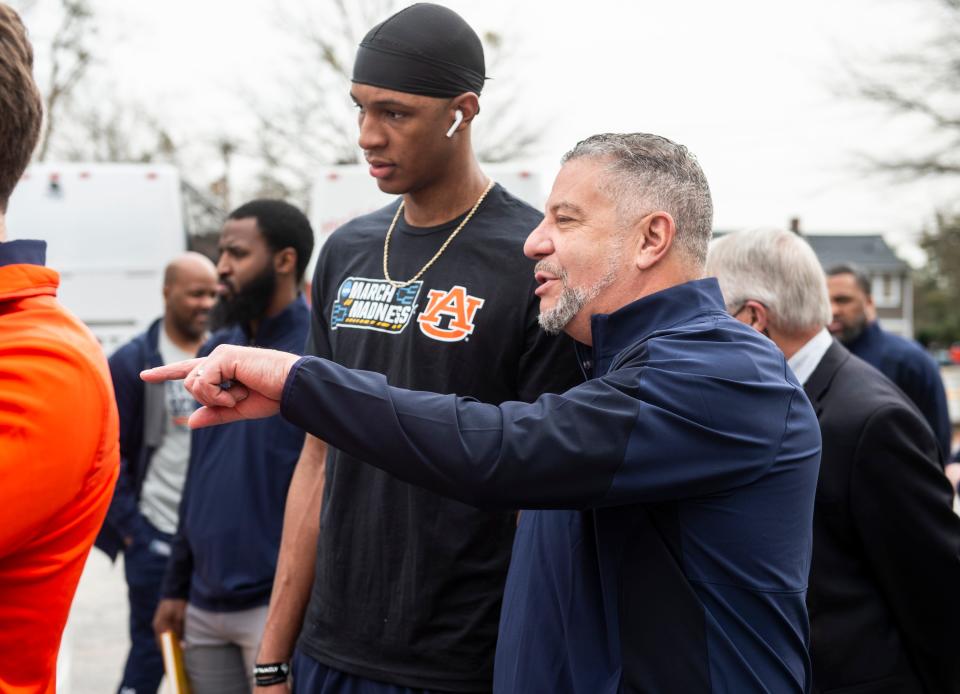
x=671 y=495
x=883 y=600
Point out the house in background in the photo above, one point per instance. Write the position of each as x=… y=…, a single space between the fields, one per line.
x=890 y=278
x=892 y=286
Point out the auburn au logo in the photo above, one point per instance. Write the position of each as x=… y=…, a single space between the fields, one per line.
x=449 y=316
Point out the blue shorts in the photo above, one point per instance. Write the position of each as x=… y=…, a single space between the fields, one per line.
x=312 y=677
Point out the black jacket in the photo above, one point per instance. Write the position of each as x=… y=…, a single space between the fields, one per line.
x=884 y=596
x=914 y=371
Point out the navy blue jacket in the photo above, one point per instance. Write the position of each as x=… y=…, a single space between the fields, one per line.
x=690 y=464
x=224 y=553
x=139 y=437
x=914 y=371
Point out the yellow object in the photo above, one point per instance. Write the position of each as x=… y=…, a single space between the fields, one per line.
x=173 y=664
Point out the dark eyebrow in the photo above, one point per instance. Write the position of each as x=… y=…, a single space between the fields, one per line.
x=388 y=104
x=391 y=105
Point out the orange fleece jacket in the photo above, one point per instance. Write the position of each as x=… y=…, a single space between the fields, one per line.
x=59 y=459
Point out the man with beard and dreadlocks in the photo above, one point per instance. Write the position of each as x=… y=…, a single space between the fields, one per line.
x=224 y=553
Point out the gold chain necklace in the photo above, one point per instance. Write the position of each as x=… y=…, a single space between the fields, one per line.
x=453 y=235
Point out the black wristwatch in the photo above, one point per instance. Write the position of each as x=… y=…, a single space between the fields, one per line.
x=269 y=674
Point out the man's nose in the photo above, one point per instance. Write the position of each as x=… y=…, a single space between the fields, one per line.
x=371 y=134
x=538 y=244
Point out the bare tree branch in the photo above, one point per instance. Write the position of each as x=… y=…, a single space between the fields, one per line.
x=923 y=84
x=69 y=62
x=897 y=100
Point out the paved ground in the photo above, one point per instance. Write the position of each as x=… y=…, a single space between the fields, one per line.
x=95 y=643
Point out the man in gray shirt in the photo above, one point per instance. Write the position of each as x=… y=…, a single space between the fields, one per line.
x=155 y=448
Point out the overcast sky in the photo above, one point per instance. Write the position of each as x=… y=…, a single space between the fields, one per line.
x=751 y=86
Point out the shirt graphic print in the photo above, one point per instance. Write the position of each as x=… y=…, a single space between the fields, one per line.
x=375 y=304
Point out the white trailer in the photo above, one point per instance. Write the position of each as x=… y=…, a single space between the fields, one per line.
x=110 y=231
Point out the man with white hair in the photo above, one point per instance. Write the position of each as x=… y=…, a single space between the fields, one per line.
x=883 y=601
x=668 y=542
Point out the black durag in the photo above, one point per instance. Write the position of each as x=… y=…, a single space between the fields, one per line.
x=424 y=49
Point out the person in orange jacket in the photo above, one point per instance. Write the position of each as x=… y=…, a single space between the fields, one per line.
x=59 y=451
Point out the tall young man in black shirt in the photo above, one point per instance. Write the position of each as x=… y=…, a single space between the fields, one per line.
x=407 y=585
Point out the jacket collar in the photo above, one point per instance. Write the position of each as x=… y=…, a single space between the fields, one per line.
x=23 y=252
x=819 y=382
x=288 y=319
x=22 y=273
x=867 y=338
x=152 y=343
x=635 y=322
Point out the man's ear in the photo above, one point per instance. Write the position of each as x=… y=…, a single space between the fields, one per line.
x=285 y=261
x=468 y=104
x=757 y=316
x=654 y=234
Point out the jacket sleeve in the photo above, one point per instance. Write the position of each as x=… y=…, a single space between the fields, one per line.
x=624 y=438
x=125 y=365
x=939 y=414
x=920 y=379
x=176 y=578
x=179 y=571
x=901 y=505
x=318 y=338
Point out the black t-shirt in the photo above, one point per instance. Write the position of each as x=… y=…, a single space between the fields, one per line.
x=408 y=584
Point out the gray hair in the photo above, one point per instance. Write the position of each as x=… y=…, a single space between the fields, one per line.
x=777 y=269
x=647 y=173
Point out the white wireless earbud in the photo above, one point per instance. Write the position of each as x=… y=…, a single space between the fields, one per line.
x=457 y=120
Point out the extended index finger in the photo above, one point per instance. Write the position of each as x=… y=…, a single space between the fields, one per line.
x=170 y=372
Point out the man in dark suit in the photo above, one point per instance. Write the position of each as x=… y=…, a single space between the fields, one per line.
x=883 y=595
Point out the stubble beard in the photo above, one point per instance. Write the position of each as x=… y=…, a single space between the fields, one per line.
x=849 y=333
x=191 y=327
x=572 y=299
